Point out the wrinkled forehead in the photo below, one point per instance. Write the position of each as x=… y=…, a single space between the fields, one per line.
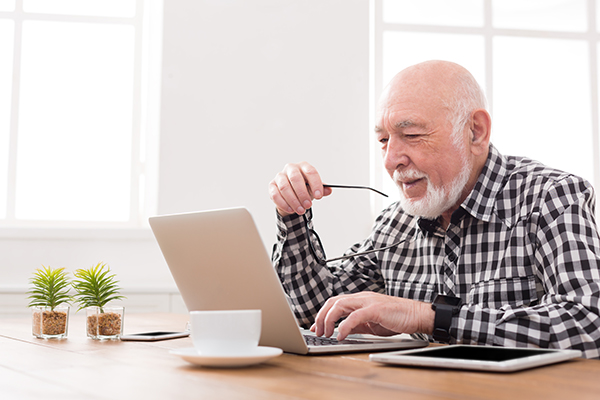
x=411 y=99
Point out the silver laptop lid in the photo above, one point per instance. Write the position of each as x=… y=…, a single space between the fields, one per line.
x=219 y=262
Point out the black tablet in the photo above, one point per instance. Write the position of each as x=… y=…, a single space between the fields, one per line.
x=482 y=358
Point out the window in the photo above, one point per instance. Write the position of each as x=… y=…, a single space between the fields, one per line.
x=537 y=61
x=78 y=111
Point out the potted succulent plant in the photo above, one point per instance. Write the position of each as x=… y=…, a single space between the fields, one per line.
x=94 y=289
x=49 y=295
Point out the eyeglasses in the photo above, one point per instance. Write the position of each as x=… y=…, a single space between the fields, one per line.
x=314 y=239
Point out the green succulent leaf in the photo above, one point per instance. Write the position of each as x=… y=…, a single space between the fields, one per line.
x=49 y=288
x=94 y=287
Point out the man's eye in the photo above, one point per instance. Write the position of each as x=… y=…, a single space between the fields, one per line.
x=413 y=138
x=383 y=140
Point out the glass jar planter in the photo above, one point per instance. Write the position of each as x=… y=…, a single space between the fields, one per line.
x=50 y=324
x=104 y=323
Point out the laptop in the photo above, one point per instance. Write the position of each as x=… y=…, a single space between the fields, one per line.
x=219 y=262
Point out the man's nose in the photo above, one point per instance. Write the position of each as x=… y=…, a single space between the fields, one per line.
x=395 y=156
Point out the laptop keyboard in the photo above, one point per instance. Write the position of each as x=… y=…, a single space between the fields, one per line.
x=329 y=341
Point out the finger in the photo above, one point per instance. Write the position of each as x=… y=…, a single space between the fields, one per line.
x=357 y=322
x=283 y=208
x=342 y=307
x=313 y=180
x=292 y=189
x=335 y=313
x=319 y=323
x=301 y=190
x=369 y=328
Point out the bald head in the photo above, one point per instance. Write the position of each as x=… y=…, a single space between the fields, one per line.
x=441 y=78
x=444 y=84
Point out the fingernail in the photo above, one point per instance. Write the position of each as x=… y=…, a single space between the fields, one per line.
x=300 y=210
x=318 y=194
x=306 y=204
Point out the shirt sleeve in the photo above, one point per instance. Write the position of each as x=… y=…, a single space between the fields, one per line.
x=307 y=283
x=567 y=264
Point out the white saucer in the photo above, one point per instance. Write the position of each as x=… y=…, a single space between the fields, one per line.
x=255 y=356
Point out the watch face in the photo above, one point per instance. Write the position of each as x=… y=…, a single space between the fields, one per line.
x=441 y=299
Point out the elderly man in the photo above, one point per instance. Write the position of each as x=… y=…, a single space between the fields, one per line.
x=480 y=249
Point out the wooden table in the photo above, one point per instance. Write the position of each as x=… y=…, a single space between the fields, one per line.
x=81 y=368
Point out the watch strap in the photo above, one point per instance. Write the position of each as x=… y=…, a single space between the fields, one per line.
x=442 y=323
x=443 y=319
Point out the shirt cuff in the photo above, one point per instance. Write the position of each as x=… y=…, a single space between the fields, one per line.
x=285 y=225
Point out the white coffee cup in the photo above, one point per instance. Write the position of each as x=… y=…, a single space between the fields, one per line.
x=225 y=332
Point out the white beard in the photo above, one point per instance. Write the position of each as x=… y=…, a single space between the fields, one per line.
x=437 y=199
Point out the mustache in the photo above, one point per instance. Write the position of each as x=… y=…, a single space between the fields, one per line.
x=408 y=175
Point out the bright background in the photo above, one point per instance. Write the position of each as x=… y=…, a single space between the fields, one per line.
x=232 y=91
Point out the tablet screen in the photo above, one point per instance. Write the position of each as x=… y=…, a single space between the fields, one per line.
x=480 y=353
x=488 y=358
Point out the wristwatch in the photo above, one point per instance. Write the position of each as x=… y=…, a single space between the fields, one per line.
x=445 y=308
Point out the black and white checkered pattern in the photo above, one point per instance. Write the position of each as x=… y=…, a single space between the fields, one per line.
x=523 y=253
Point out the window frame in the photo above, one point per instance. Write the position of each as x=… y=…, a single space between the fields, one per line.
x=147 y=24
x=378 y=26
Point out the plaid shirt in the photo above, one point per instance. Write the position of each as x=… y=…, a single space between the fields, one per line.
x=522 y=251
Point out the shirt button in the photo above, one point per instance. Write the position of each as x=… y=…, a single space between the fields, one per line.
x=452 y=257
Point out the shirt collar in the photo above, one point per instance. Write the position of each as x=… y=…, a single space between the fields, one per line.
x=481 y=202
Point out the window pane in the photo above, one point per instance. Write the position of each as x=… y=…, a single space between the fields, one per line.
x=403 y=49
x=541 y=102
x=598 y=15
x=6 y=61
x=99 y=8
x=75 y=122
x=552 y=15
x=434 y=12
x=7 y=5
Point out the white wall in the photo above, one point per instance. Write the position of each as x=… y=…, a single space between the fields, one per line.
x=251 y=85
x=247 y=87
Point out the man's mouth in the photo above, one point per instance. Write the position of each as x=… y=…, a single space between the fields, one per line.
x=412 y=182
x=408 y=179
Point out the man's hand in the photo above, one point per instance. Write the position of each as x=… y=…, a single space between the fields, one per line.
x=293 y=189
x=373 y=313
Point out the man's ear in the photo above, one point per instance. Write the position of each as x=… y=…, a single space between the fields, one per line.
x=481 y=130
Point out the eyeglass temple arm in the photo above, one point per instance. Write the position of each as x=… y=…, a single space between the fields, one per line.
x=365 y=252
x=355 y=187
